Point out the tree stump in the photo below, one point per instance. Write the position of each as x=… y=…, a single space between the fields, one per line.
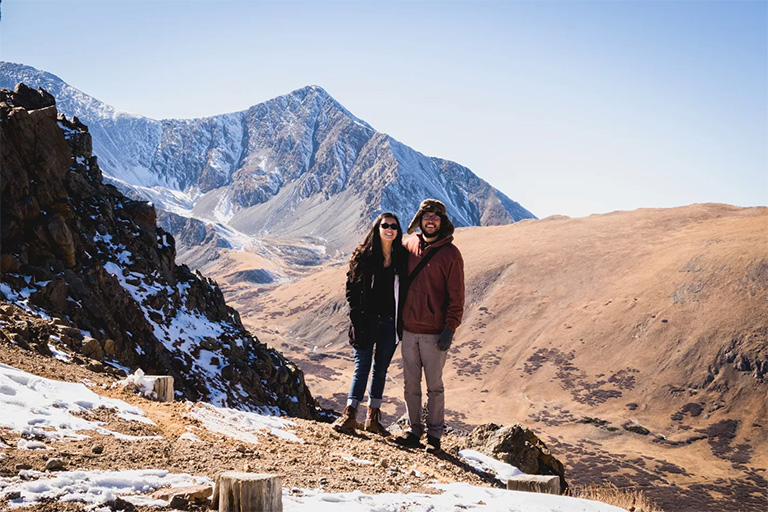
x=535 y=483
x=163 y=387
x=248 y=492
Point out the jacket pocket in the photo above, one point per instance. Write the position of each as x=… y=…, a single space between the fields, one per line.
x=419 y=311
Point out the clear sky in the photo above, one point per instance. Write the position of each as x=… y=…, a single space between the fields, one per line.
x=568 y=107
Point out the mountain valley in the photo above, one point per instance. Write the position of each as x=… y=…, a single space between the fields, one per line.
x=635 y=343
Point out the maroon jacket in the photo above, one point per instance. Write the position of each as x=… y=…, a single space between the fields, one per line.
x=436 y=296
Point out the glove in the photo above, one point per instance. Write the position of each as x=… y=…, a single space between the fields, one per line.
x=444 y=339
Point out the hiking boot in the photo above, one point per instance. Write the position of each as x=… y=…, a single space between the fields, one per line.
x=409 y=440
x=433 y=444
x=347 y=421
x=373 y=423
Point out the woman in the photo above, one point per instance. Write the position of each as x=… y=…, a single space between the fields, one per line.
x=375 y=293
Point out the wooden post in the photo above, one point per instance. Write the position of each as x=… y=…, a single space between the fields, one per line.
x=248 y=492
x=535 y=483
x=163 y=387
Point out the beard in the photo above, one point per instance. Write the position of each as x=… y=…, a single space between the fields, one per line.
x=430 y=231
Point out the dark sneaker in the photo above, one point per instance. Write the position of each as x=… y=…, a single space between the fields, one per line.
x=433 y=444
x=409 y=440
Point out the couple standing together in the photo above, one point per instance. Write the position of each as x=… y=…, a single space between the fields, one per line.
x=412 y=293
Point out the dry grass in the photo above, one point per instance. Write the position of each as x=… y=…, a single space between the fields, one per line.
x=629 y=499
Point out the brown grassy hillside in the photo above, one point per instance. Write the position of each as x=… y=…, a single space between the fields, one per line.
x=636 y=343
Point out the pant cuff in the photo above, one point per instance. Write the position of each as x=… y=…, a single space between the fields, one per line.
x=374 y=402
x=353 y=402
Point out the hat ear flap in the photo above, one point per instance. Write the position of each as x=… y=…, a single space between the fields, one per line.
x=414 y=223
x=446 y=226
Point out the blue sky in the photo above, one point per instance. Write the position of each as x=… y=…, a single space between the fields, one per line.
x=568 y=107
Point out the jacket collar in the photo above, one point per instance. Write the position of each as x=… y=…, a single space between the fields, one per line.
x=437 y=243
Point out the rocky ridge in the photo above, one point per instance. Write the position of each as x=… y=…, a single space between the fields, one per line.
x=101 y=277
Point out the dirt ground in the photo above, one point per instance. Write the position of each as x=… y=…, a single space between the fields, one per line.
x=323 y=459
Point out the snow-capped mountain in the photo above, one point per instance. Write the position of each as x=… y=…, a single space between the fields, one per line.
x=300 y=165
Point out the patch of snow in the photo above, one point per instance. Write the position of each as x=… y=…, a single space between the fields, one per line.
x=31 y=403
x=242 y=425
x=58 y=354
x=189 y=436
x=455 y=497
x=484 y=463
x=356 y=460
x=23 y=444
x=95 y=487
x=137 y=381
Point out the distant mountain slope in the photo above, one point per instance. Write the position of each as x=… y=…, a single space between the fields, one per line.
x=299 y=165
x=637 y=341
x=102 y=278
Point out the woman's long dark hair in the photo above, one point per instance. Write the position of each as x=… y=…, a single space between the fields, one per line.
x=368 y=255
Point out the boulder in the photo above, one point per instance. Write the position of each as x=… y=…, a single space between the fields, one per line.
x=518 y=446
x=32 y=99
x=92 y=348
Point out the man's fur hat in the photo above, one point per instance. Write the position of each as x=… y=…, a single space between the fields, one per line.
x=432 y=205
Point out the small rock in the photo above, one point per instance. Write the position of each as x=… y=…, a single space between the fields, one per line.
x=110 y=347
x=241 y=448
x=179 y=503
x=323 y=481
x=54 y=465
x=97 y=449
x=384 y=463
x=180 y=497
x=96 y=367
x=13 y=495
x=121 y=504
x=23 y=467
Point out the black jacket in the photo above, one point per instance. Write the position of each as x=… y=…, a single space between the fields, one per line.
x=360 y=300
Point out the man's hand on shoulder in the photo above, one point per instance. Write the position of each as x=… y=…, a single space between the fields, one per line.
x=444 y=339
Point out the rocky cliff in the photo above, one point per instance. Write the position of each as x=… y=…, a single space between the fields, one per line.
x=100 y=274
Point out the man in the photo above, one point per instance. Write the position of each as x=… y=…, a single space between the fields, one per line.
x=433 y=310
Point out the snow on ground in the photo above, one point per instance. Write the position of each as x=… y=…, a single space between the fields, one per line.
x=94 y=487
x=484 y=463
x=39 y=407
x=241 y=425
x=100 y=487
x=140 y=383
x=42 y=408
x=21 y=298
x=456 y=497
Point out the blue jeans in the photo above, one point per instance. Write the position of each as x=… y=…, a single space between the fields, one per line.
x=379 y=349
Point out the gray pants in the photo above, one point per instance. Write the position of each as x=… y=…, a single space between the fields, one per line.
x=420 y=352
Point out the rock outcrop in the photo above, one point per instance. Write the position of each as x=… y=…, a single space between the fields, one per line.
x=81 y=253
x=518 y=446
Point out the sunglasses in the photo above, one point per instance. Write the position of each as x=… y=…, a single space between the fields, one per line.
x=384 y=225
x=430 y=216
